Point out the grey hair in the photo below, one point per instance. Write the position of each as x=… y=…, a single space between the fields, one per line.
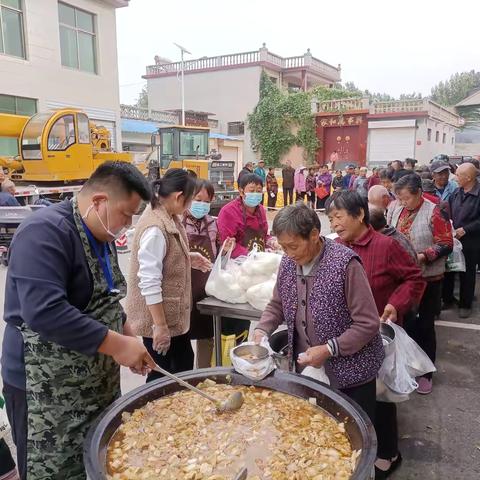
x=6 y=184
x=296 y=220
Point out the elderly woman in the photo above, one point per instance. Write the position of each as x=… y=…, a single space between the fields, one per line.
x=397 y=286
x=322 y=293
x=428 y=227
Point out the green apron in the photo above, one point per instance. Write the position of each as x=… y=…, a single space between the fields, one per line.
x=66 y=390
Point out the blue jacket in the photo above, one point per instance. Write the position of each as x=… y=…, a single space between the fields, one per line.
x=450 y=187
x=261 y=173
x=48 y=286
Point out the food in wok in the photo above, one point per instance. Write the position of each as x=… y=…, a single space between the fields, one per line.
x=275 y=435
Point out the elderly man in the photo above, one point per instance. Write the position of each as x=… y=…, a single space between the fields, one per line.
x=465 y=213
x=444 y=187
x=7 y=194
x=360 y=185
x=247 y=169
x=379 y=197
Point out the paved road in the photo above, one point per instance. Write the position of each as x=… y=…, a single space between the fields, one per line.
x=440 y=433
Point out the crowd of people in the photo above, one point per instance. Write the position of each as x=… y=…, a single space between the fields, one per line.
x=395 y=229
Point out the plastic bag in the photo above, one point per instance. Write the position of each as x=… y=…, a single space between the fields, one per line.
x=385 y=394
x=258 y=370
x=223 y=280
x=4 y=425
x=229 y=342
x=261 y=263
x=316 y=373
x=402 y=363
x=260 y=295
x=456 y=260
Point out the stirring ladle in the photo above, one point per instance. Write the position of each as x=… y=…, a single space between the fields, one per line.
x=233 y=402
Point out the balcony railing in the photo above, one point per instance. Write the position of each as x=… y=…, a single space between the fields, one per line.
x=247 y=58
x=395 y=106
x=136 y=113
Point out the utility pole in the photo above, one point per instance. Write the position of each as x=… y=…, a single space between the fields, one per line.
x=182 y=74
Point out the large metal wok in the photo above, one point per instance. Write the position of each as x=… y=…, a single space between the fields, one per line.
x=358 y=426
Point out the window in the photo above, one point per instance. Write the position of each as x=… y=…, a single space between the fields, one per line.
x=167 y=143
x=444 y=138
x=273 y=79
x=429 y=134
x=32 y=136
x=453 y=140
x=62 y=134
x=18 y=105
x=193 y=142
x=83 y=128
x=236 y=128
x=437 y=136
x=77 y=38
x=293 y=88
x=12 y=40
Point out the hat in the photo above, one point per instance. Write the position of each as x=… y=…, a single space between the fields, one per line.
x=439 y=166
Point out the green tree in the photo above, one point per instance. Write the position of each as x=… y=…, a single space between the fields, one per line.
x=456 y=88
x=142 y=100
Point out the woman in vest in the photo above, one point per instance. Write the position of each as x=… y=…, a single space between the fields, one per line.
x=159 y=284
x=397 y=287
x=428 y=228
x=202 y=233
x=322 y=294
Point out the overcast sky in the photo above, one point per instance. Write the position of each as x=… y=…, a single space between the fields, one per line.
x=392 y=46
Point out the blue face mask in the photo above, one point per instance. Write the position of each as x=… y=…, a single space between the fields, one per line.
x=253 y=199
x=199 y=209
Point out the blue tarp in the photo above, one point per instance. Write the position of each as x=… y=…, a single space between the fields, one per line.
x=221 y=136
x=138 y=126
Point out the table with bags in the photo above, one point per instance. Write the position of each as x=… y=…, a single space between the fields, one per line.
x=218 y=310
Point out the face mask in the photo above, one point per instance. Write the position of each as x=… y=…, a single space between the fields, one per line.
x=199 y=209
x=115 y=236
x=253 y=199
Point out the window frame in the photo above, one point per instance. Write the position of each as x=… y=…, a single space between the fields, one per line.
x=429 y=134
x=77 y=30
x=22 y=28
x=201 y=134
x=437 y=136
x=232 y=126
x=16 y=98
x=74 y=136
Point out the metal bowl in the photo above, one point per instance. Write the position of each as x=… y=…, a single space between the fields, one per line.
x=358 y=426
x=387 y=332
x=251 y=353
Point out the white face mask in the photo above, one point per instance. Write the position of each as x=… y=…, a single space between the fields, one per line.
x=114 y=236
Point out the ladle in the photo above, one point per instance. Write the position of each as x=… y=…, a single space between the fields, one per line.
x=233 y=402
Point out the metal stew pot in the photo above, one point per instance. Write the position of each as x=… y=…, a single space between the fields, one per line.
x=358 y=426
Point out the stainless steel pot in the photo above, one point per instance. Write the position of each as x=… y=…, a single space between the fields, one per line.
x=357 y=425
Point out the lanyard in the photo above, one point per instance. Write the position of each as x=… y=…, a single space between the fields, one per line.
x=103 y=260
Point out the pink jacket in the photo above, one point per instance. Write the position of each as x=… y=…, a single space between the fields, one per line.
x=300 y=180
x=230 y=224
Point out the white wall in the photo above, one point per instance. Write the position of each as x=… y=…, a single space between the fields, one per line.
x=429 y=148
x=42 y=75
x=229 y=94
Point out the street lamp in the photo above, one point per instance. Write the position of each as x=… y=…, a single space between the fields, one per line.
x=182 y=50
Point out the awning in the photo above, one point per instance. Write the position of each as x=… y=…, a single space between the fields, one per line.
x=138 y=126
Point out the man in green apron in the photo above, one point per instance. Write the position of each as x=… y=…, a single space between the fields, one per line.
x=65 y=341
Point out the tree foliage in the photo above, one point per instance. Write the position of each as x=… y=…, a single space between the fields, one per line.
x=142 y=100
x=283 y=119
x=380 y=97
x=456 y=88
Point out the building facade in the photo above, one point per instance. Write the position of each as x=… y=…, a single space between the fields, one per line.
x=229 y=85
x=468 y=138
x=376 y=133
x=56 y=54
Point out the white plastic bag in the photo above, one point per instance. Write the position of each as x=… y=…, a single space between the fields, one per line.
x=316 y=373
x=456 y=260
x=260 y=295
x=223 y=280
x=258 y=370
x=261 y=263
x=403 y=363
x=4 y=425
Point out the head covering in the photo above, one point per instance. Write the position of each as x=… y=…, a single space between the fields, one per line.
x=439 y=166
